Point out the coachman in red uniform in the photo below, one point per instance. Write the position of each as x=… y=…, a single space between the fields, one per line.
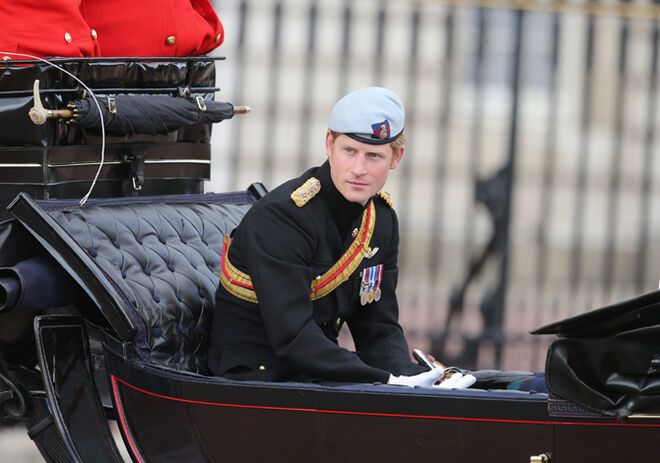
x=79 y=28
x=154 y=27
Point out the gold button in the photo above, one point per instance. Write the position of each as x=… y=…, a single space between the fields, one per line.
x=94 y=34
x=171 y=40
x=354 y=233
x=67 y=37
x=6 y=58
x=262 y=367
x=217 y=38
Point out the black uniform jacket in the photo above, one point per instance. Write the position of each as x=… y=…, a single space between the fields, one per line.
x=287 y=336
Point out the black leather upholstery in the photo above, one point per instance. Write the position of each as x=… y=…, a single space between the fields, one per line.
x=164 y=257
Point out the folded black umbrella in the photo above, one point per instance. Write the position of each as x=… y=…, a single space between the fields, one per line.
x=147 y=114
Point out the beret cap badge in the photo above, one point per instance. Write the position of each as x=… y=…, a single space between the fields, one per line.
x=381 y=130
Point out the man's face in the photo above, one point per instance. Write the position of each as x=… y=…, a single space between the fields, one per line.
x=359 y=170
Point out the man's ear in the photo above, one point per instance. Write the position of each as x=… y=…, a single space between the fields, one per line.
x=329 y=142
x=396 y=156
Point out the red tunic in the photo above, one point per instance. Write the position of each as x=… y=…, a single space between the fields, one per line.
x=45 y=28
x=75 y=28
x=154 y=27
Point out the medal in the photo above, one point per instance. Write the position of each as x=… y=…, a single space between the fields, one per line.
x=372 y=282
x=377 y=291
x=370 y=285
x=364 y=298
x=364 y=287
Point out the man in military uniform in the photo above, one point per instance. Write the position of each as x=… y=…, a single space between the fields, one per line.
x=318 y=251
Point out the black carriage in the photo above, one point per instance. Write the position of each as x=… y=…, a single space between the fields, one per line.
x=105 y=313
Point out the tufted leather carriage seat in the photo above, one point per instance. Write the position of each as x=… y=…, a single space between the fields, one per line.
x=158 y=256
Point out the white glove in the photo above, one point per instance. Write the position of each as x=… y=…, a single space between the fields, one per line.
x=457 y=381
x=425 y=379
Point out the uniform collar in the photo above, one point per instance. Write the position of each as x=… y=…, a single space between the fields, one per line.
x=337 y=201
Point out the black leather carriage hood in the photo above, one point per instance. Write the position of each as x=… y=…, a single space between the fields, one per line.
x=608 y=360
x=151 y=264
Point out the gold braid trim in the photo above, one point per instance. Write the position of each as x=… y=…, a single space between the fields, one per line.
x=240 y=284
x=385 y=196
x=232 y=279
x=306 y=191
x=351 y=260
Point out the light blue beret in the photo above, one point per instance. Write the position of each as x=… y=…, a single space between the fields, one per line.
x=373 y=115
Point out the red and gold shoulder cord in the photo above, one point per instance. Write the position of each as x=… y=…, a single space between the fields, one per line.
x=240 y=284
